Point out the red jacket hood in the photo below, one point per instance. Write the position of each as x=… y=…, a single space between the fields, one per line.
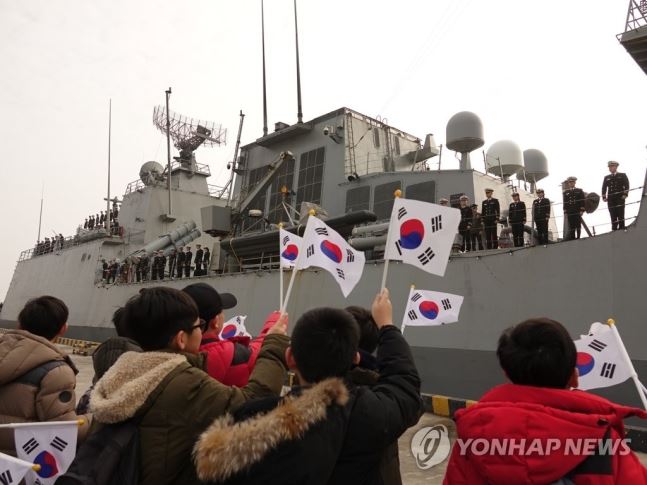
x=536 y=415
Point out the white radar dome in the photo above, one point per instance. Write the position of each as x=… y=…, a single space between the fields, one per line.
x=536 y=164
x=150 y=172
x=464 y=132
x=504 y=158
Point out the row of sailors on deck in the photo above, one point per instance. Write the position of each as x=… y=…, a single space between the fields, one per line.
x=97 y=221
x=615 y=189
x=144 y=268
x=49 y=245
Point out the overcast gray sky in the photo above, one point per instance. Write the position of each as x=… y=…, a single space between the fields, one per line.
x=549 y=75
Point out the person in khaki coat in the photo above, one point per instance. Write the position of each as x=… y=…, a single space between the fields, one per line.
x=165 y=389
x=37 y=380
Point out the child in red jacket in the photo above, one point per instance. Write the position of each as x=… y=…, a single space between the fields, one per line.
x=537 y=430
x=229 y=361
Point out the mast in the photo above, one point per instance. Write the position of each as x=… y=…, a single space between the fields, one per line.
x=107 y=220
x=40 y=217
x=168 y=150
x=264 y=84
x=233 y=163
x=296 y=35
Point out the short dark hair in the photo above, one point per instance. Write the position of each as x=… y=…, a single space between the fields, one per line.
x=537 y=352
x=324 y=343
x=368 y=332
x=155 y=315
x=44 y=316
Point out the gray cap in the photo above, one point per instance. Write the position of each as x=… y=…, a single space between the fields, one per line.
x=571 y=179
x=489 y=190
x=612 y=162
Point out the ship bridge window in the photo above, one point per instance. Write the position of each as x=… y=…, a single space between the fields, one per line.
x=424 y=191
x=284 y=178
x=358 y=199
x=383 y=199
x=311 y=166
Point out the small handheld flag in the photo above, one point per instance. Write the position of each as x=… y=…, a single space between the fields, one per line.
x=52 y=446
x=421 y=234
x=599 y=359
x=429 y=308
x=289 y=247
x=325 y=248
x=234 y=327
x=12 y=470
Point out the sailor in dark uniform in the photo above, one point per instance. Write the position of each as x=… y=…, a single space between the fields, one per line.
x=171 y=264
x=180 y=261
x=198 y=260
x=155 y=265
x=490 y=212
x=85 y=224
x=187 y=262
x=615 y=190
x=161 y=265
x=205 y=261
x=138 y=269
x=573 y=209
x=466 y=223
x=145 y=262
x=541 y=216
x=517 y=217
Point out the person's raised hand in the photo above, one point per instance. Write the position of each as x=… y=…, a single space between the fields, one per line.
x=280 y=327
x=382 y=309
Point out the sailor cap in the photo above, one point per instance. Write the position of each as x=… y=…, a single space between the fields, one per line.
x=571 y=179
x=612 y=162
x=464 y=197
x=489 y=190
x=443 y=200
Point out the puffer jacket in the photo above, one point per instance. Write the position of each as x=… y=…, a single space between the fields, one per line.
x=174 y=401
x=37 y=383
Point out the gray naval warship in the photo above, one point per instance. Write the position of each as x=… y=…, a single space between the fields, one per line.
x=346 y=166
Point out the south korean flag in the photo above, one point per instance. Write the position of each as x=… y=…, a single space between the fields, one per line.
x=326 y=249
x=50 y=445
x=289 y=247
x=12 y=470
x=429 y=308
x=599 y=359
x=422 y=234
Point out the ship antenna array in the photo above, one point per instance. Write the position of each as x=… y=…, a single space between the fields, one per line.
x=188 y=133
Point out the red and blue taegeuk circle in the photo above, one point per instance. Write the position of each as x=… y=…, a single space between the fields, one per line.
x=412 y=233
x=48 y=465
x=429 y=309
x=585 y=363
x=228 y=331
x=331 y=250
x=291 y=252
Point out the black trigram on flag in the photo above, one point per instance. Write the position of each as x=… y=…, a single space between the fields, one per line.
x=412 y=315
x=446 y=303
x=597 y=345
x=397 y=246
x=322 y=231
x=340 y=273
x=416 y=297
x=6 y=478
x=310 y=251
x=59 y=443
x=350 y=256
x=286 y=240
x=30 y=445
x=401 y=212
x=426 y=256
x=607 y=370
x=436 y=223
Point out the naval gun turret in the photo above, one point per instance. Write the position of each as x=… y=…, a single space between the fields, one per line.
x=180 y=236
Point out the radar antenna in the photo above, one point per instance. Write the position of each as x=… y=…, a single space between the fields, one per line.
x=187 y=133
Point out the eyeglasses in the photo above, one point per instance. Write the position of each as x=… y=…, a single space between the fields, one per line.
x=202 y=325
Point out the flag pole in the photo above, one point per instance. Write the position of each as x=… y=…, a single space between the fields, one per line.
x=280 y=268
x=396 y=194
x=295 y=270
x=639 y=387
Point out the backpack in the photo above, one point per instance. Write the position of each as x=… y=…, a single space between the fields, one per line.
x=109 y=456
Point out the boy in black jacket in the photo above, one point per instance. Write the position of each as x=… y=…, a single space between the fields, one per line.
x=329 y=430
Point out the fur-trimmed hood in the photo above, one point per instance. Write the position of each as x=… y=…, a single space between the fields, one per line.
x=227 y=448
x=126 y=386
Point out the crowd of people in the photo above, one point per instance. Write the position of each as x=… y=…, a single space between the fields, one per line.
x=212 y=410
x=180 y=263
x=475 y=226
